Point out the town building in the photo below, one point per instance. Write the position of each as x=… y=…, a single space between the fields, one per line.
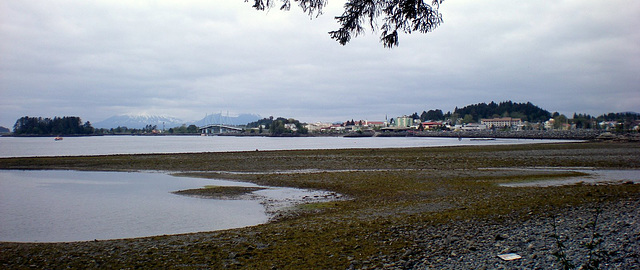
x=433 y=125
x=404 y=121
x=473 y=126
x=318 y=127
x=291 y=127
x=375 y=124
x=501 y=122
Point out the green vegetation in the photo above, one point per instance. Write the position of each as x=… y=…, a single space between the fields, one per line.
x=524 y=111
x=68 y=125
x=398 y=16
x=279 y=126
x=148 y=129
x=434 y=115
x=184 y=129
x=613 y=122
x=71 y=125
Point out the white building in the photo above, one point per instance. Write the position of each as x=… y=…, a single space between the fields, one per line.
x=473 y=126
x=291 y=127
x=501 y=122
x=318 y=126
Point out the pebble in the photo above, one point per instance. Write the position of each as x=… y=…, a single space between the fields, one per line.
x=532 y=239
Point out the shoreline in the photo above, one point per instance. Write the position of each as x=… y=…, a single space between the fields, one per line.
x=576 y=134
x=408 y=209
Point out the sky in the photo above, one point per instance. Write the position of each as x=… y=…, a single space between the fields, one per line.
x=189 y=58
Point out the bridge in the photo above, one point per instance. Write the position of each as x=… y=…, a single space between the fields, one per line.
x=213 y=129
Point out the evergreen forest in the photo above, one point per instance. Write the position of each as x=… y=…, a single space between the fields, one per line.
x=524 y=111
x=67 y=125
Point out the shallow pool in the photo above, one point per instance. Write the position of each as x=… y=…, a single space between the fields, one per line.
x=62 y=206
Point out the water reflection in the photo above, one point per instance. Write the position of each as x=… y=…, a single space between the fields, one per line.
x=61 y=206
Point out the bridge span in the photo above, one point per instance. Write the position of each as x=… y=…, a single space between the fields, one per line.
x=213 y=129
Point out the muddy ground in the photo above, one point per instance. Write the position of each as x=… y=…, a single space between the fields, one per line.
x=417 y=208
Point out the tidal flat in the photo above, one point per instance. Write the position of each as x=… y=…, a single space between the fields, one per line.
x=411 y=208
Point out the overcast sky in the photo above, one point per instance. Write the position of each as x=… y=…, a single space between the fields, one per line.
x=188 y=58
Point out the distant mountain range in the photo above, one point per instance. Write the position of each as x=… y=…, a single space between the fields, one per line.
x=141 y=121
x=218 y=118
x=138 y=121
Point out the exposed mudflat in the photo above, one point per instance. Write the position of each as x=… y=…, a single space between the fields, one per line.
x=218 y=192
x=423 y=208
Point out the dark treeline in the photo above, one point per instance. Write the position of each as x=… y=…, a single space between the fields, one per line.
x=524 y=111
x=431 y=115
x=278 y=126
x=147 y=130
x=125 y=130
x=624 y=120
x=626 y=116
x=475 y=112
x=68 y=125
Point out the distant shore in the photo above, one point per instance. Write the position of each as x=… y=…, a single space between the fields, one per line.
x=576 y=134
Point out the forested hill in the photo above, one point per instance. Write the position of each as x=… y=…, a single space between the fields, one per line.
x=525 y=111
x=68 y=125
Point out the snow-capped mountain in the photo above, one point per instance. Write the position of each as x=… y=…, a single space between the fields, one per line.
x=219 y=118
x=139 y=121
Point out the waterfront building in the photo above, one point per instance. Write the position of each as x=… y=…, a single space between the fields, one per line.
x=501 y=122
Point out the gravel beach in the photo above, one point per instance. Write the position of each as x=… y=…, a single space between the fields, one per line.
x=476 y=244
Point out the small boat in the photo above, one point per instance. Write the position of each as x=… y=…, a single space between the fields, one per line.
x=58 y=138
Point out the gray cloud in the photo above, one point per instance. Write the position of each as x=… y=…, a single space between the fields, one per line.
x=188 y=58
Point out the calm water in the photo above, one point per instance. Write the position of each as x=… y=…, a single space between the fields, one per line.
x=104 y=145
x=55 y=206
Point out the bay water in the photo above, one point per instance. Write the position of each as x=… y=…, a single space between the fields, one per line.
x=107 y=145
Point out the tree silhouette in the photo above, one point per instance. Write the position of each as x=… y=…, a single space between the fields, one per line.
x=405 y=16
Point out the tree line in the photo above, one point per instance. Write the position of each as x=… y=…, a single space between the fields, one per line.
x=72 y=125
x=279 y=126
x=524 y=111
x=527 y=112
x=148 y=129
x=67 y=125
x=626 y=119
x=475 y=112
